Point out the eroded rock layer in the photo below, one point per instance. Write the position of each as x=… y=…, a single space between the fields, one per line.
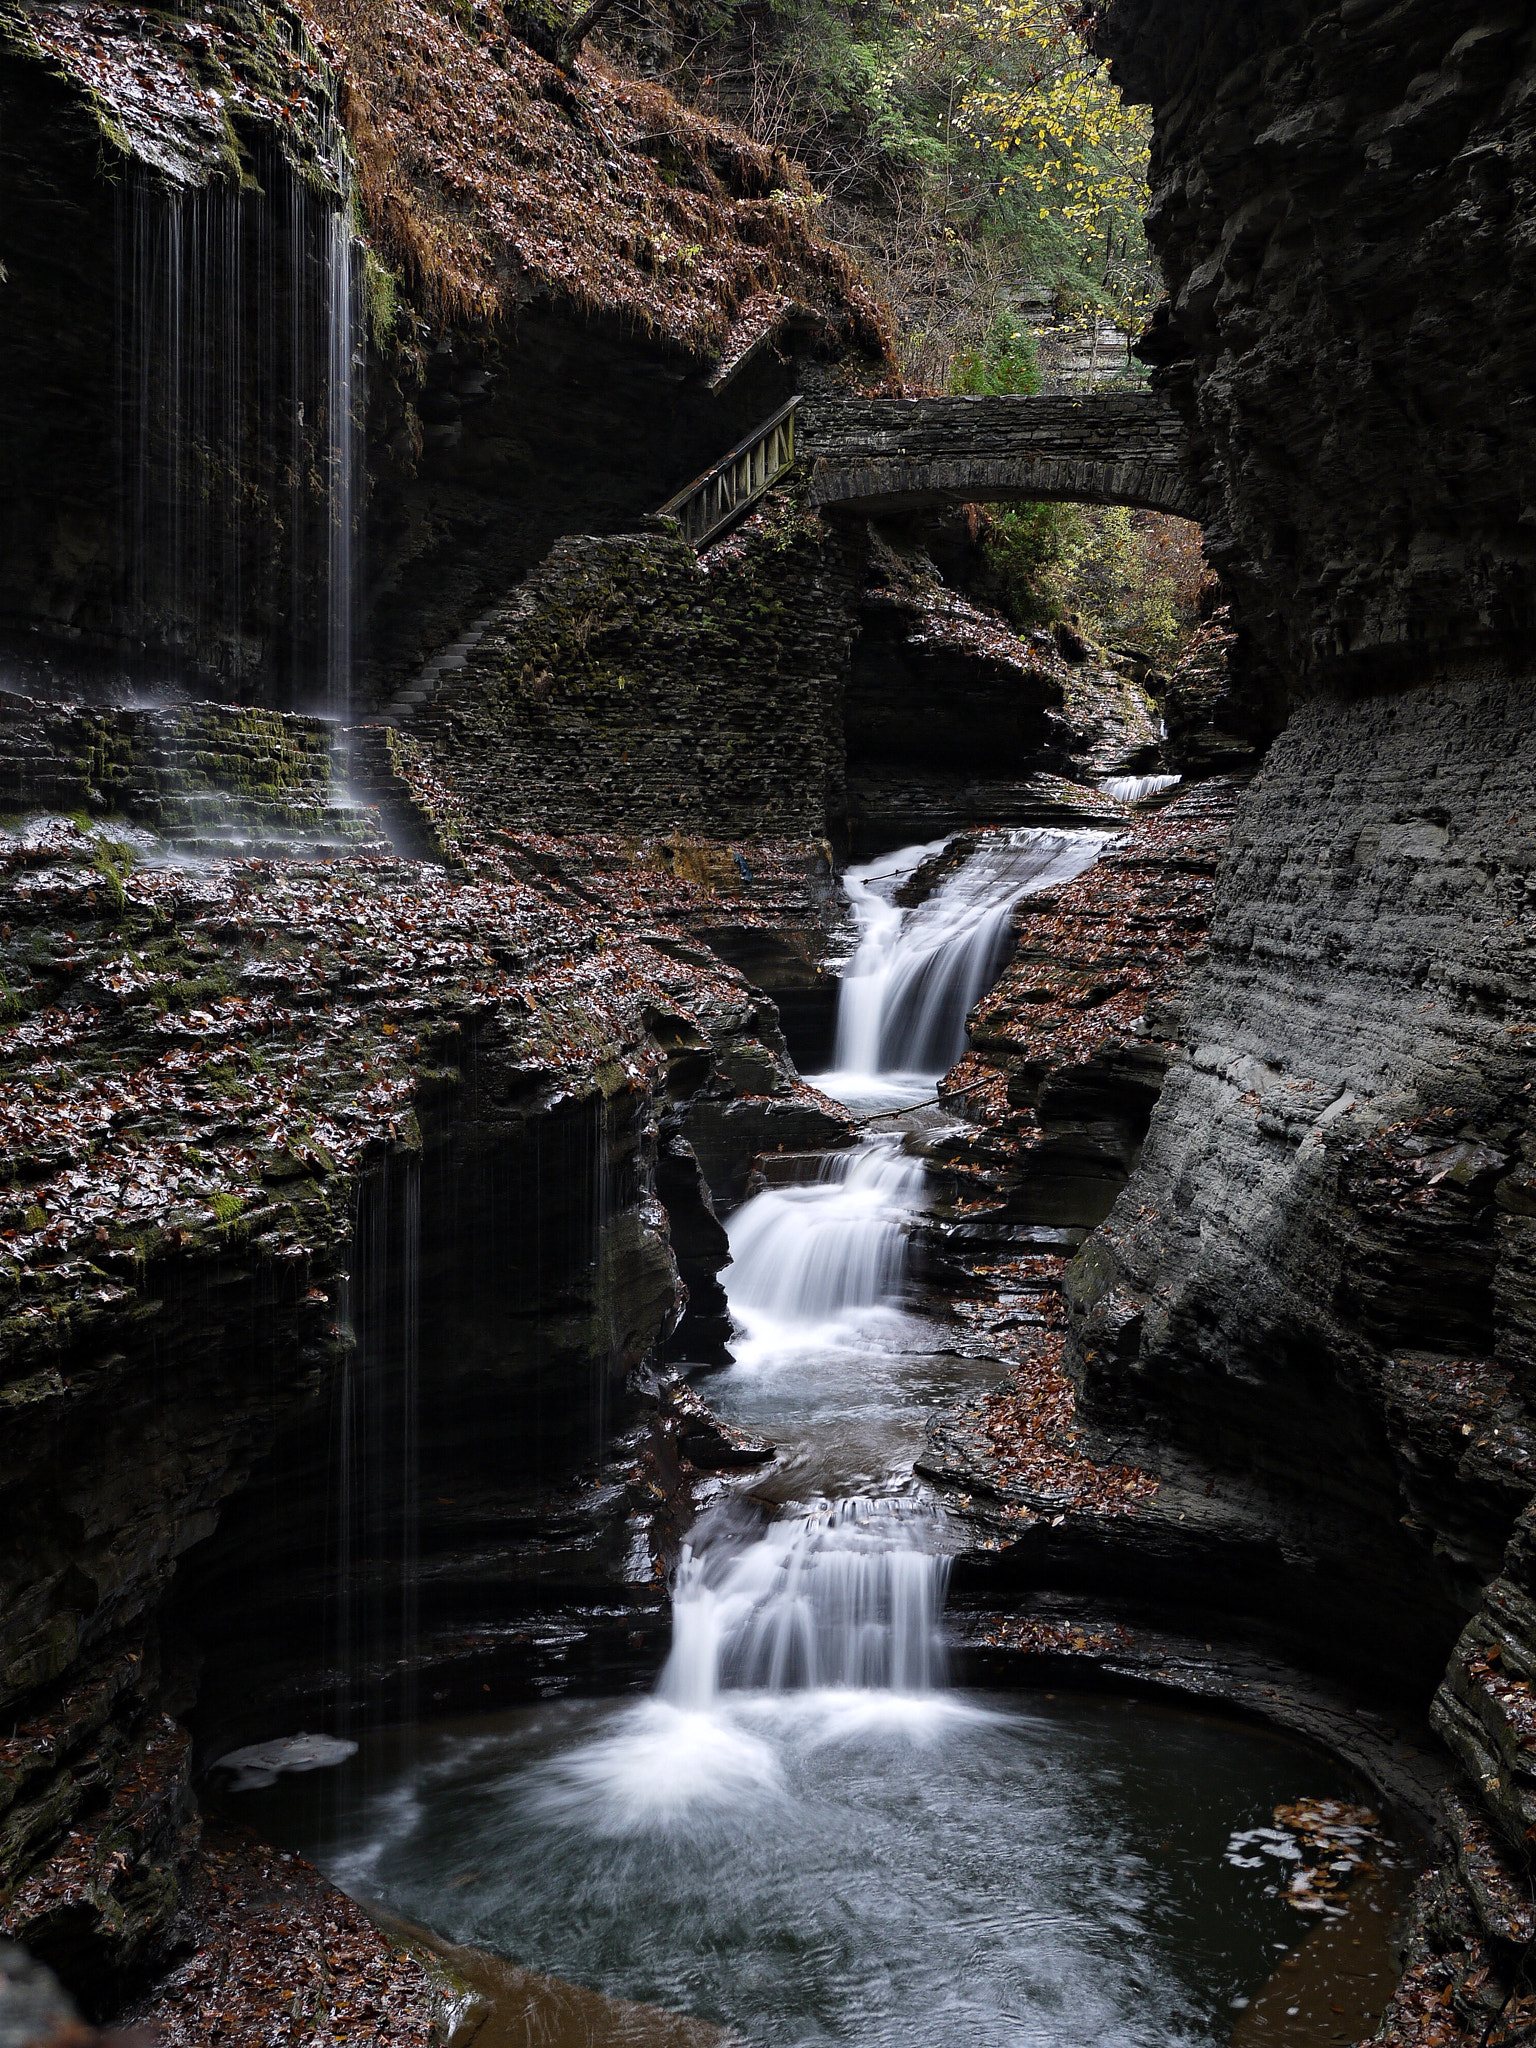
x=334 y=1186
x=1341 y=202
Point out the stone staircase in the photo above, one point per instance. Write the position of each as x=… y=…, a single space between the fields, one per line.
x=448 y=661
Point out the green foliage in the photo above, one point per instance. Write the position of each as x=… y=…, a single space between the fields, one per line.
x=1030 y=550
x=960 y=148
x=1130 y=578
x=1139 y=580
x=381 y=296
x=1005 y=363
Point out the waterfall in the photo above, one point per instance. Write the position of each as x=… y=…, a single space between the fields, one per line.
x=240 y=394
x=343 y=356
x=848 y=1595
x=910 y=985
x=1135 y=789
x=806 y=1255
x=375 y=1502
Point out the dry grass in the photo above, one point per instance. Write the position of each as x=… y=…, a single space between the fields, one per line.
x=488 y=178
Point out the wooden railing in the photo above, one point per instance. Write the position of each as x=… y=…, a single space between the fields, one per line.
x=721 y=495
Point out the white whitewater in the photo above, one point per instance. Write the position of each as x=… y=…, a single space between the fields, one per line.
x=911 y=983
x=1135 y=789
x=849 y=1595
x=826 y=1620
x=810 y=1256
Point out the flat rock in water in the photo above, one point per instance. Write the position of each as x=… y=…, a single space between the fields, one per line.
x=262 y=1763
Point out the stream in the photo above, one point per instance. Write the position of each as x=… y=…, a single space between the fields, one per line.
x=806 y=1833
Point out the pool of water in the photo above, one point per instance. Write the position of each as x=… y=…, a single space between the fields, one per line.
x=838 y=1866
x=849 y=1414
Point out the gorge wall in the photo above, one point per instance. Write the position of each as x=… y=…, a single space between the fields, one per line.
x=1313 y=1293
x=334 y=372
x=409 y=1159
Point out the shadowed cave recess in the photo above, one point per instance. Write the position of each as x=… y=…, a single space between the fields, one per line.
x=737 y=1304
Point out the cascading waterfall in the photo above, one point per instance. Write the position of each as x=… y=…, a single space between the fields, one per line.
x=848 y=1595
x=810 y=1254
x=907 y=991
x=1135 y=789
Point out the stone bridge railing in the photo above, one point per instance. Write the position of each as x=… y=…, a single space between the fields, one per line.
x=876 y=455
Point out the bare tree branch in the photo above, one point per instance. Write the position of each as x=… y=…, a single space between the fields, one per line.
x=577 y=32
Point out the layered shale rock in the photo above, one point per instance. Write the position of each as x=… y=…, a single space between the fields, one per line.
x=952 y=720
x=1314 y=1291
x=1070 y=1048
x=1307 y=1309
x=300 y=1155
x=1326 y=1218
x=1341 y=198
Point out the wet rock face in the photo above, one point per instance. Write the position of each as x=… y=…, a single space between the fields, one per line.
x=188 y=186
x=1069 y=1050
x=1342 y=203
x=1325 y=1242
x=297 y=1157
x=201 y=778
x=952 y=720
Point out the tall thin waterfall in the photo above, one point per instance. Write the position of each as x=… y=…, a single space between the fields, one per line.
x=343 y=360
x=375 y=1506
x=240 y=388
x=908 y=989
x=850 y=1594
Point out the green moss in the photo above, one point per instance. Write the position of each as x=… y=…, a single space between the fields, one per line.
x=227 y=1211
x=203 y=988
x=113 y=861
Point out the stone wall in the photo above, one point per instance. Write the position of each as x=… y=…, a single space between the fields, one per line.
x=884 y=455
x=630 y=684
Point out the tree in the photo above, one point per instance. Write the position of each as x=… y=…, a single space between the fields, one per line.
x=1043 y=109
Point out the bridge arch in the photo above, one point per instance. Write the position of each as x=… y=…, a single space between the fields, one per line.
x=886 y=455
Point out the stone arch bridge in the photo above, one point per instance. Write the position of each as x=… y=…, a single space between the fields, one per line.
x=878 y=455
